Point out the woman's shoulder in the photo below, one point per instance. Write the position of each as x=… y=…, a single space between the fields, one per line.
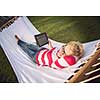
x=71 y=60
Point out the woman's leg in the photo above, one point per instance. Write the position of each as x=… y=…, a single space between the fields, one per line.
x=30 y=46
x=30 y=49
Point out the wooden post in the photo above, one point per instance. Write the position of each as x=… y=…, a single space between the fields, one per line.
x=81 y=73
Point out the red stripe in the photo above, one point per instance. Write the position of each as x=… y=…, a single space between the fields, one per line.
x=42 y=58
x=49 y=55
x=58 y=65
x=70 y=60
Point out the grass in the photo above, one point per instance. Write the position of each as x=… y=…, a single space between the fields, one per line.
x=59 y=28
x=6 y=72
x=64 y=28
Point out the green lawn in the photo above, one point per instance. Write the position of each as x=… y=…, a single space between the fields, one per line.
x=65 y=29
x=61 y=29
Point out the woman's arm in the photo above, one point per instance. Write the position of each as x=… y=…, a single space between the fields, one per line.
x=50 y=45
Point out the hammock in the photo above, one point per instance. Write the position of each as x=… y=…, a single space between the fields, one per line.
x=25 y=69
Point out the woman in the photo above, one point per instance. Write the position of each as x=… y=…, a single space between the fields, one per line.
x=66 y=56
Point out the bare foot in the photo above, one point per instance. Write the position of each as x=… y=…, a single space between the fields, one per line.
x=17 y=38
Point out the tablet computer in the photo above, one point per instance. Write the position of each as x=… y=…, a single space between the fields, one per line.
x=41 y=39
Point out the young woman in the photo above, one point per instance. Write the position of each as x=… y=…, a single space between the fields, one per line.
x=66 y=56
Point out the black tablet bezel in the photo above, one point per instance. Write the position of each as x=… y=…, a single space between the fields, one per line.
x=37 y=41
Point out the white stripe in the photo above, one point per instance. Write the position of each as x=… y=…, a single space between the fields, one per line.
x=53 y=65
x=46 y=59
x=54 y=56
x=40 y=56
x=63 y=62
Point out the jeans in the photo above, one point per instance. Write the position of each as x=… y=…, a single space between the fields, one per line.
x=30 y=49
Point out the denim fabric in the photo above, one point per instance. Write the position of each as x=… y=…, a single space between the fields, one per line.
x=30 y=49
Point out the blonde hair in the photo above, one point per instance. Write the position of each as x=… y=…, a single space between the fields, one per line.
x=76 y=48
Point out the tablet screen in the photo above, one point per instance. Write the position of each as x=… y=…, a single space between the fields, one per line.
x=41 y=39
